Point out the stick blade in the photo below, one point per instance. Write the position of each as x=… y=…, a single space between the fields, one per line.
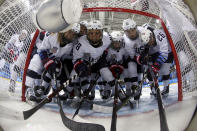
x=79 y=126
x=30 y=112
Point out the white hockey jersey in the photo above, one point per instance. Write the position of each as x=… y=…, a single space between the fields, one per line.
x=131 y=46
x=52 y=45
x=14 y=43
x=85 y=49
x=163 y=46
x=114 y=55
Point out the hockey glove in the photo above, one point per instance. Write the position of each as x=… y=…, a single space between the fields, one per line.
x=50 y=66
x=142 y=59
x=156 y=67
x=102 y=62
x=82 y=69
x=116 y=70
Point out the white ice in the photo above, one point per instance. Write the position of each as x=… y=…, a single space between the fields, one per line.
x=143 y=118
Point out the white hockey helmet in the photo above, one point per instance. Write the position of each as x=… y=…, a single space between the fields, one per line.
x=128 y=24
x=76 y=28
x=145 y=35
x=24 y=31
x=116 y=36
x=58 y=15
x=23 y=35
x=95 y=25
x=84 y=22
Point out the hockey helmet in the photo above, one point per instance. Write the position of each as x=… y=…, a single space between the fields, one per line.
x=23 y=35
x=145 y=35
x=76 y=28
x=116 y=40
x=84 y=22
x=129 y=24
x=95 y=25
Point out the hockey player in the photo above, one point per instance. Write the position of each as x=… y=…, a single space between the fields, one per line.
x=92 y=46
x=161 y=55
x=35 y=69
x=17 y=42
x=11 y=50
x=52 y=49
x=132 y=41
x=83 y=27
x=114 y=58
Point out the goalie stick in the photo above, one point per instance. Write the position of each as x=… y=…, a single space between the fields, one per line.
x=162 y=114
x=78 y=126
x=30 y=112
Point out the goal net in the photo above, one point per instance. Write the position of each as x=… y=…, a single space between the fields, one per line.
x=173 y=17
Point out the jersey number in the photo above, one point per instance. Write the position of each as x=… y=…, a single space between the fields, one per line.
x=160 y=36
x=78 y=46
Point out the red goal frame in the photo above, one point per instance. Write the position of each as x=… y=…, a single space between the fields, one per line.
x=109 y=9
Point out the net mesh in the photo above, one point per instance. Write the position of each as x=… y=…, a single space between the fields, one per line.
x=17 y=15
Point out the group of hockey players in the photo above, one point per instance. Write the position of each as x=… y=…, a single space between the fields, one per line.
x=87 y=50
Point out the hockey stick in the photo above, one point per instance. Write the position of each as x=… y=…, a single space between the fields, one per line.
x=92 y=84
x=78 y=126
x=162 y=114
x=131 y=104
x=114 y=112
x=30 y=112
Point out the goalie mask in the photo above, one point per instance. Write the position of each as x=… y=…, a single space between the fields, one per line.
x=95 y=33
x=116 y=40
x=130 y=28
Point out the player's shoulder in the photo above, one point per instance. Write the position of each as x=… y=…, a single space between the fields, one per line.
x=158 y=31
x=82 y=39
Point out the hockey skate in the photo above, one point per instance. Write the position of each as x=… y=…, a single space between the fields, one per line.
x=105 y=94
x=31 y=97
x=137 y=93
x=39 y=91
x=121 y=96
x=165 y=90
x=91 y=95
x=12 y=86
